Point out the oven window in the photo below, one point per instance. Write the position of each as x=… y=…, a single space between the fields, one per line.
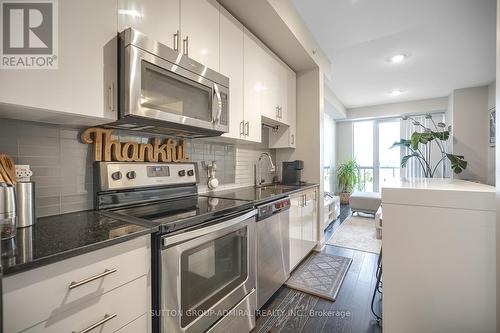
x=210 y=271
x=166 y=91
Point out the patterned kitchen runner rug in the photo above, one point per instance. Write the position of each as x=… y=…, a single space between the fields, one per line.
x=320 y=274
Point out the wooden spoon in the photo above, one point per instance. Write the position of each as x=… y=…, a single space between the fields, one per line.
x=9 y=167
x=4 y=176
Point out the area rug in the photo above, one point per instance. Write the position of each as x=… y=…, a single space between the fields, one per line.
x=320 y=274
x=357 y=233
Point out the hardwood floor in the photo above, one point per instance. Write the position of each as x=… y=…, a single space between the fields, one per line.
x=294 y=311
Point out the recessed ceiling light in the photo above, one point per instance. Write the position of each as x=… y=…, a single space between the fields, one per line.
x=396 y=92
x=398 y=58
x=129 y=12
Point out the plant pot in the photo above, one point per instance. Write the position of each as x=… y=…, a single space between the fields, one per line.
x=344 y=198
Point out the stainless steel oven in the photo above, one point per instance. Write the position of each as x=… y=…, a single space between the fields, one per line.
x=162 y=90
x=208 y=274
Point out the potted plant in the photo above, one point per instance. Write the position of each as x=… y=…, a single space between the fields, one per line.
x=428 y=137
x=348 y=177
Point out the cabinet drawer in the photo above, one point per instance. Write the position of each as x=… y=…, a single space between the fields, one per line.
x=45 y=292
x=106 y=313
x=138 y=325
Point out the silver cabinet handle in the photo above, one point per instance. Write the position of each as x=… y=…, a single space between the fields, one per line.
x=280 y=114
x=247 y=128
x=76 y=284
x=176 y=41
x=185 y=45
x=242 y=128
x=111 y=98
x=277 y=112
x=293 y=139
x=106 y=318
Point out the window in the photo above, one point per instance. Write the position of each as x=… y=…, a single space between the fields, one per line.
x=363 y=153
x=378 y=163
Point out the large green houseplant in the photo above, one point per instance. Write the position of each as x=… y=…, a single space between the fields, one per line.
x=427 y=137
x=348 y=177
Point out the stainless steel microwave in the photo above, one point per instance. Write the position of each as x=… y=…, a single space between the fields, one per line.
x=163 y=91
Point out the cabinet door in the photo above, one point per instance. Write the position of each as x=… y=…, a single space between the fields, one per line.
x=254 y=86
x=200 y=31
x=274 y=81
x=158 y=19
x=295 y=230
x=285 y=136
x=76 y=87
x=309 y=217
x=290 y=111
x=231 y=65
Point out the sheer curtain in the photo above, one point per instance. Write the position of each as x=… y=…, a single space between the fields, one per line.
x=413 y=168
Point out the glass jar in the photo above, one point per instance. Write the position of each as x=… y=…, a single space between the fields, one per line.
x=8 y=214
x=8 y=226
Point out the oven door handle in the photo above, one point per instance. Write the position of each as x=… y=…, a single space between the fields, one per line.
x=175 y=239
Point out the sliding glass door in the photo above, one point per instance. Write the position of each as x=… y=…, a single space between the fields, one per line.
x=363 y=146
x=389 y=131
x=371 y=147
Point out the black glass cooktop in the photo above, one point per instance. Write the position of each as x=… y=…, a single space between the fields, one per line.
x=181 y=213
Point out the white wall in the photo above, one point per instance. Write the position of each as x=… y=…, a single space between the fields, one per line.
x=344 y=141
x=471 y=132
x=398 y=109
x=333 y=105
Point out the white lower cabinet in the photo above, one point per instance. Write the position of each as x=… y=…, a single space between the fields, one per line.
x=78 y=292
x=303 y=225
x=107 y=313
x=138 y=325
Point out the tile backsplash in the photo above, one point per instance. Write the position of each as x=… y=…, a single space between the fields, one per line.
x=62 y=165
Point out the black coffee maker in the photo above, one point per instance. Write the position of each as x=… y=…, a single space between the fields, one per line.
x=292 y=172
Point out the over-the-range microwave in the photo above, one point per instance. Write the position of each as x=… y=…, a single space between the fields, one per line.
x=163 y=91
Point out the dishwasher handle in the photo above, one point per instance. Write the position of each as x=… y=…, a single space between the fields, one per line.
x=272 y=208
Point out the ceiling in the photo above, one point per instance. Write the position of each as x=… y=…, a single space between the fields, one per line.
x=451 y=44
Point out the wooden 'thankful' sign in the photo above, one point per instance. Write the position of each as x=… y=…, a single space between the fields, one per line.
x=108 y=150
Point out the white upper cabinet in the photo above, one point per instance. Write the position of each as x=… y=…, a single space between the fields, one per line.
x=159 y=19
x=256 y=86
x=188 y=26
x=200 y=31
x=76 y=87
x=285 y=137
x=231 y=65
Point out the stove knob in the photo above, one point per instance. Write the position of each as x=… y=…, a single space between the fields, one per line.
x=182 y=173
x=116 y=175
x=131 y=175
x=190 y=173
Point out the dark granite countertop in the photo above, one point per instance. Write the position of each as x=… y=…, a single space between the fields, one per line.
x=261 y=194
x=58 y=237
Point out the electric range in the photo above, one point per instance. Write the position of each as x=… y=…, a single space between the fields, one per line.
x=203 y=256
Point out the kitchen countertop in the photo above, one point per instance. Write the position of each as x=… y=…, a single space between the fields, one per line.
x=260 y=195
x=58 y=237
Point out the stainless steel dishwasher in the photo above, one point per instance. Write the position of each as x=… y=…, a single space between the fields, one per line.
x=273 y=254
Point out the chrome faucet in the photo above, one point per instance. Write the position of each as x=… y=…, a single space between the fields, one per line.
x=258 y=177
